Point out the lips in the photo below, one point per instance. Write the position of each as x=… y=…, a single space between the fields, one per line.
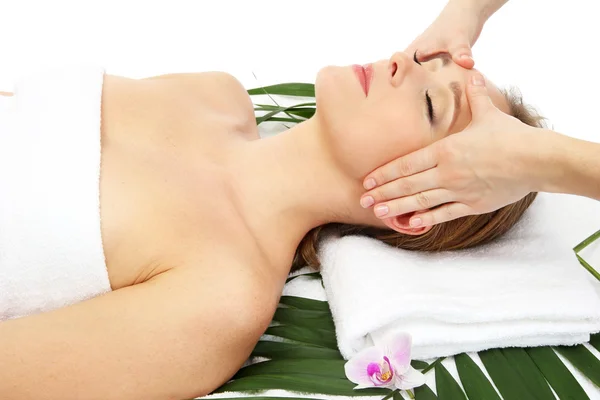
x=364 y=73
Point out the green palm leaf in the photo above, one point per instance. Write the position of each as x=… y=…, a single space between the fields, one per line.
x=282 y=119
x=474 y=381
x=557 y=374
x=311 y=275
x=271 y=114
x=446 y=386
x=271 y=118
x=326 y=368
x=397 y=396
x=267 y=398
x=530 y=374
x=317 y=337
x=424 y=393
x=305 y=318
x=305 y=111
x=299 y=383
x=305 y=304
x=595 y=341
x=286 y=89
x=270 y=107
x=583 y=360
x=582 y=246
x=585 y=243
x=505 y=377
x=281 y=350
x=416 y=364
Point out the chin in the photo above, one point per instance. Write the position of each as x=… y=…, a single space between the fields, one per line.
x=324 y=84
x=334 y=93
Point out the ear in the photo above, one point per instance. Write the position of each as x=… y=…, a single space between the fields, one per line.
x=401 y=224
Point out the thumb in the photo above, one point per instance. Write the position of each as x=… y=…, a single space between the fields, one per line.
x=461 y=55
x=477 y=95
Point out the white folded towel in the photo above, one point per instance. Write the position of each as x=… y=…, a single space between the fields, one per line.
x=525 y=289
x=51 y=251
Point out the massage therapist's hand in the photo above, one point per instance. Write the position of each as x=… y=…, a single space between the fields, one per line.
x=455 y=31
x=478 y=170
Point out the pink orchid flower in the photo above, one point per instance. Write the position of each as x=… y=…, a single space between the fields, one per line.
x=386 y=366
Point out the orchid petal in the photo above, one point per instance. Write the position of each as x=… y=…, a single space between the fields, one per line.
x=410 y=379
x=371 y=386
x=357 y=367
x=398 y=349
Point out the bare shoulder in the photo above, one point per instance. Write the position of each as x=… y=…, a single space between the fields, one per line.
x=214 y=78
x=222 y=91
x=216 y=93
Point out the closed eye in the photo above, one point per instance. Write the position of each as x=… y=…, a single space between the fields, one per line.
x=430 y=109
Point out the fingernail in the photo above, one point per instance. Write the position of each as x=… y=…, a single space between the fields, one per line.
x=370 y=184
x=415 y=222
x=477 y=80
x=465 y=57
x=381 y=210
x=367 y=201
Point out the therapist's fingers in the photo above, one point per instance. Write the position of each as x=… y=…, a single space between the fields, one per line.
x=478 y=96
x=402 y=187
x=445 y=213
x=426 y=54
x=418 y=202
x=462 y=55
x=410 y=164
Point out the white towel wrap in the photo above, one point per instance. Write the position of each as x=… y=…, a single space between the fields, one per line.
x=51 y=251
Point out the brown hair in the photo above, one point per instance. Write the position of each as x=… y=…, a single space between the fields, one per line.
x=458 y=234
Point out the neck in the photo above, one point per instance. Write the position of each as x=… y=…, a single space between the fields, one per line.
x=288 y=184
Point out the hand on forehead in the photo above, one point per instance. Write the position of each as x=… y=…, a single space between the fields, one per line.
x=496 y=95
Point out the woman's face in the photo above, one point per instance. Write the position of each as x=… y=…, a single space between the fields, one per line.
x=407 y=106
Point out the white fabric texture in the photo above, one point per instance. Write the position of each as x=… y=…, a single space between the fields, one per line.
x=525 y=289
x=51 y=251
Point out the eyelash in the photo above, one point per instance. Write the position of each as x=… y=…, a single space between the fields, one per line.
x=415 y=58
x=430 y=107
x=427 y=97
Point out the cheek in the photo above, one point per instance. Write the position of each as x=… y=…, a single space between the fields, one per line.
x=365 y=134
x=393 y=129
x=376 y=137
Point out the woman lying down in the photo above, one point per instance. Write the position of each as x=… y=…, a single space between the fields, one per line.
x=162 y=287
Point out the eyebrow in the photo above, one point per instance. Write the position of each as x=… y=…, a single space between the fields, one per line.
x=457 y=91
x=445 y=59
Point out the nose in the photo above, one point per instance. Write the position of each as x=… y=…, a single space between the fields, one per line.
x=399 y=65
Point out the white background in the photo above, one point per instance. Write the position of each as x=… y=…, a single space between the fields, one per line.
x=546 y=48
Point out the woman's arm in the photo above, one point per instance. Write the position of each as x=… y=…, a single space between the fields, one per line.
x=568 y=165
x=483 y=9
x=6 y=94
x=178 y=335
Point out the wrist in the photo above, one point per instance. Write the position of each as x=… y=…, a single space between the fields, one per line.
x=471 y=15
x=565 y=164
x=479 y=10
x=542 y=161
